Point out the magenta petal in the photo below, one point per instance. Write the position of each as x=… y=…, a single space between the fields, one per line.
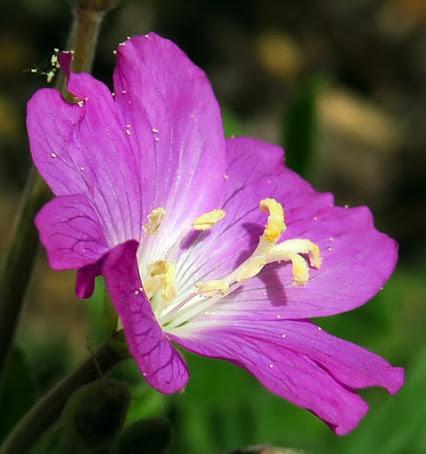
x=70 y=231
x=357 y=259
x=161 y=365
x=299 y=362
x=85 y=279
x=294 y=377
x=255 y=170
x=159 y=90
x=83 y=149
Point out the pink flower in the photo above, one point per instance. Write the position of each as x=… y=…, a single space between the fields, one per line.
x=149 y=194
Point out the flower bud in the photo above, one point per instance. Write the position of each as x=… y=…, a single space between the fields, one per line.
x=96 y=413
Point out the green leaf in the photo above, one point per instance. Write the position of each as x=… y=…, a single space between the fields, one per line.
x=399 y=424
x=146 y=403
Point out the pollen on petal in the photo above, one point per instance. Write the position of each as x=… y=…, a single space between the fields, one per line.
x=207 y=220
x=275 y=225
x=154 y=220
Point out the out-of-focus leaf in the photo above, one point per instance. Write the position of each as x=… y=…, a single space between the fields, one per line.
x=151 y=436
x=49 y=441
x=17 y=391
x=146 y=403
x=266 y=450
x=50 y=358
x=103 y=318
x=231 y=124
x=398 y=426
x=224 y=407
x=300 y=126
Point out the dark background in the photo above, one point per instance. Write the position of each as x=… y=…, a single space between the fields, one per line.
x=343 y=85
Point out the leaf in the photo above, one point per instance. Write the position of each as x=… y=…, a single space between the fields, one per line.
x=399 y=425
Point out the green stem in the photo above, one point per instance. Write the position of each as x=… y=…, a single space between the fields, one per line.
x=19 y=262
x=47 y=410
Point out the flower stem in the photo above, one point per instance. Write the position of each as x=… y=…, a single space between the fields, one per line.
x=19 y=262
x=47 y=410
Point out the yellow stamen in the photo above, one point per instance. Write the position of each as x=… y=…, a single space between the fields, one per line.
x=207 y=220
x=268 y=251
x=298 y=246
x=275 y=225
x=154 y=220
x=161 y=280
x=299 y=268
x=251 y=268
x=212 y=288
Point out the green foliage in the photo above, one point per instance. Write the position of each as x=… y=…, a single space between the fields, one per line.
x=17 y=391
x=399 y=425
x=224 y=408
x=103 y=318
x=231 y=124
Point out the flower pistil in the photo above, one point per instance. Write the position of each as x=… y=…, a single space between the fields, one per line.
x=268 y=251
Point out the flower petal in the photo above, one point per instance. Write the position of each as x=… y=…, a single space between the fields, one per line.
x=85 y=279
x=83 y=149
x=158 y=88
x=356 y=262
x=160 y=364
x=255 y=171
x=298 y=362
x=70 y=231
x=357 y=259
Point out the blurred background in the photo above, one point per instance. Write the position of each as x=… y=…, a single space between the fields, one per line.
x=342 y=85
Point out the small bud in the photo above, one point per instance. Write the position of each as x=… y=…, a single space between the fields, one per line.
x=96 y=413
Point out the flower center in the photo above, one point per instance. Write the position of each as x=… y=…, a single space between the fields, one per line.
x=269 y=251
x=173 y=309
x=159 y=279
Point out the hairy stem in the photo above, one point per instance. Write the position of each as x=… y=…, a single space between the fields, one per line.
x=19 y=262
x=47 y=410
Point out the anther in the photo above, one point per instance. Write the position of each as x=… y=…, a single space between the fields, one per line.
x=154 y=220
x=208 y=220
